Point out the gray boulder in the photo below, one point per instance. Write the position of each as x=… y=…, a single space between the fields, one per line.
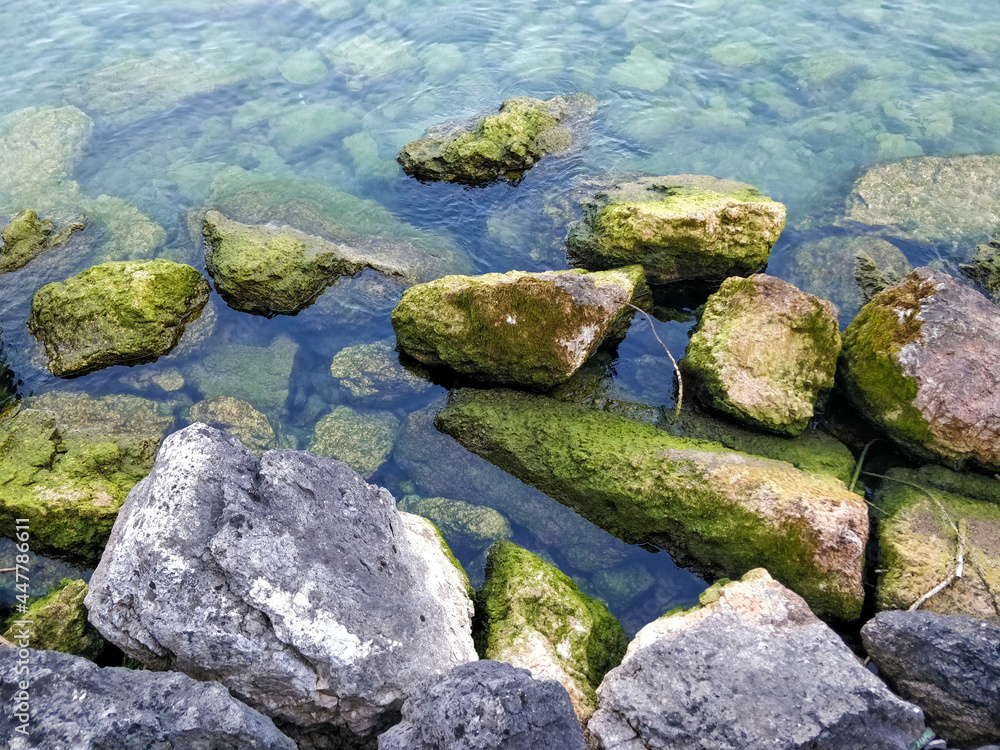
x=287 y=578
x=949 y=665
x=76 y=704
x=486 y=705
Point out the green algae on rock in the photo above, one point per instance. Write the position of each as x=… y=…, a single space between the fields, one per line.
x=239 y=419
x=116 y=313
x=921 y=515
x=501 y=146
x=475 y=527
x=59 y=622
x=26 y=237
x=717 y=511
x=984 y=268
x=764 y=353
x=362 y=440
x=534 y=329
x=67 y=461
x=373 y=372
x=533 y=616
x=678 y=227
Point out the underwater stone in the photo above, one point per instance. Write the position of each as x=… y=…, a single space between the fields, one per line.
x=678 y=227
x=534 y=329
x=257 y=374
x=116 y=313
x=642 y=69
x=26 y=237
x=984 y=268
x=59 y=622
x=304 y=68
x=372 y=372
x=131 y=235
x=473 y=526
x=239 y=419
x=365 y=57
x=300 y=125
x=362 y=440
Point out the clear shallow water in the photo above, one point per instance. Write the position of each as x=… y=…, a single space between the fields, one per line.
x=796 y=99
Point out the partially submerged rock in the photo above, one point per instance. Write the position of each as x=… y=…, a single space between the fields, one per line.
x=764 y=352
x=502 y=146
x=750 y=668
x=984 y=268
x=678 y=227
x=372 y=372
x=116 y=313
x=362 y=440
x=26 y=237
x=474 y=527
x=533 y=329
x=899 y=363
x=239 y=419
x=718 y=511
x=58 y=622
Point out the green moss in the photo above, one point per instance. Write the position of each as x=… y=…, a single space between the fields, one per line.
x=59 y=622
x=985 y=267
x=362 y=440
x=239 y=418
x=373 y=371
x=472 y=526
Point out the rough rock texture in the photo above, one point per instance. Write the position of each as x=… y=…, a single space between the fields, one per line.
x=750 y=669
x=717 y=511
x=59 y=622
x=502 y=146
x=533 y=616
x=899 y=363
x=474 y=527
x=984 y=268
x=920 y=516
x=288 y=579
x=76 y=704
x=486 y=705
x=26 y=237
x=533 y=329
x=764 y=352
x=372 y=372
x=238 y=418
x=678 y=227
x=949 y=666
x=67 y=461
x=362 y=440
x=116 y=313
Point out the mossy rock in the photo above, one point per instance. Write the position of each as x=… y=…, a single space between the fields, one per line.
x=678 y=227
x=501 y=146
x=116 y=313
x=474 y=527
x=919 y=514
x=717 y=511
x=362 y=440
x=533 y=329
x=373 y=372
x=531 y=615
x=26 y=237
x=764 y=353
x=984 y=268
x=67 y=462
x=239 y=419
x=59 y=622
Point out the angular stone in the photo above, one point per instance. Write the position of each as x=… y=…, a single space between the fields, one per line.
x=678 y=227
x=475 y=527
x=717 y=511
x=533 y=329
x=764 y=353
x=59 y=622
x=26 y=237
x=116 y=313
x=898 y=366
x=362 y=440
x=373 y=372
x=239 y=419
x=750 y=668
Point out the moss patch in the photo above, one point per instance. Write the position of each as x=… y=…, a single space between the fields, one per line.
x=362 y=440
x=59 y=622
x=26 y=237
x=239 y=419
x=475 y=527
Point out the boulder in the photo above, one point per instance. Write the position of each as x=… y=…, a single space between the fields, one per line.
x=26 y=237
x=67 y=462
x=288 y=579
x=258 y=375
x=472 y=527
x=764 y=353
x=59 y=622
x=238 y=418
x=502 y=146
x=116 y=313
x=749 y=669
x=678 y=227
x=75 y=703
x=531 y=615
x=362 y=440
x=372 y=372
x=532 y=329
x=716 y=511
x=899 y=361
x=947 y=665
x=486 y=705
x=921 y=514
x=984 y=268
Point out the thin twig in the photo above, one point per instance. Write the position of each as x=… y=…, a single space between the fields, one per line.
x=677 y=370
x=947 y=581
x=7 y=570
x=861 y=461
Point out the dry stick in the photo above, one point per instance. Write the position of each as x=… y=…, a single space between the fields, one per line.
x=677 y=370
x=947 y=581
x=7 y=570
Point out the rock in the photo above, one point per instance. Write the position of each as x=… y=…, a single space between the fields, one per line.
x=949 y=666
x=25 y=238
x=304 y=67
x=678 y=227
x=300 y=125
x=533 y=329
x=764 y=353
x=67 y=462
x=239 y=419
x=474 y=527
x=898 y=366
x=59 y=622
x=531 y=615
x=365 y=58
x=165 y=380
x=984 y=268
x=372 y=372
x=750 y=668
x=116 y=313
x=502 y=146
x=717 y=511
x=362 y=440
x=642 y=69
x=286 y=578
x=920 y=513
x=129 y=233
x=486 y=705
x=75 y=703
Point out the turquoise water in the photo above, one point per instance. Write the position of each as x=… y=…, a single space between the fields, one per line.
x=796 y=98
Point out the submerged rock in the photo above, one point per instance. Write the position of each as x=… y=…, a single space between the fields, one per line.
x=475 y=527
x=288 y=579
x=533 y=329
x=26 y=237
x=678 y=227
x=239 y=419
x=750 y=668
x=764 y=352
x=372 y=372
x=899 y=363
x=717 y=511
x=984 y=268
x=58 y=622
x=116 y=313
x=362 y=440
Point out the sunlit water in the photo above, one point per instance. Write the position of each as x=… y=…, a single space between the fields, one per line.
x=796 y=98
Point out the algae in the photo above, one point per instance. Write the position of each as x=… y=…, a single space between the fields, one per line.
x=362 y=440
x=59 y=622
